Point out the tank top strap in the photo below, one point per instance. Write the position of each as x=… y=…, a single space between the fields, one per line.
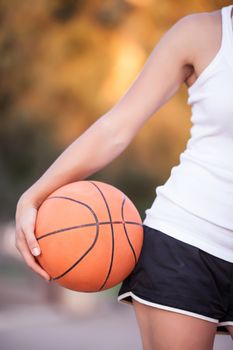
x=227 y=30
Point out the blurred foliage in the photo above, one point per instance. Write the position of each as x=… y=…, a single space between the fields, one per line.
x=27 y=147
x=64 y=10
x=64 y=63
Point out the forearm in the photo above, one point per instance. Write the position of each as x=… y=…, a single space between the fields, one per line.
x=93 y=150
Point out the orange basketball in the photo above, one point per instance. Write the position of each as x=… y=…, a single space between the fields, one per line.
x=90 y=235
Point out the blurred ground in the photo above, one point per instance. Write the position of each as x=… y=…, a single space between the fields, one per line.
x=38 y=327
x=45 y=327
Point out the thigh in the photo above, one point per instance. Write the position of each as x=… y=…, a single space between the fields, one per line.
x=168 y=330
x=230 y=329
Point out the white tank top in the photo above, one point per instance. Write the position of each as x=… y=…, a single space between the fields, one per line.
x=195 y=204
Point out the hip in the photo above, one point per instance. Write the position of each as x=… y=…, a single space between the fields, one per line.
x=182 y=224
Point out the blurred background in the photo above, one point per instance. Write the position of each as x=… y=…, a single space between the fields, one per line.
x=63 y=64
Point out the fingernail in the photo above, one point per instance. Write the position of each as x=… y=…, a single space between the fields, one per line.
x=36 y=251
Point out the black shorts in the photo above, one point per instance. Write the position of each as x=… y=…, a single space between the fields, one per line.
x=173 y=275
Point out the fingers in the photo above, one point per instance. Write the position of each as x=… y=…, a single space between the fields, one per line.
x=26 y=242
x=31 y=240
x=22 y=246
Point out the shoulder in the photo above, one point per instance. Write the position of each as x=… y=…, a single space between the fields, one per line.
x=196 y=31
x=197 y=23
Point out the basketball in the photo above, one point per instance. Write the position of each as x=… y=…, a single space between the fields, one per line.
x=90 y=234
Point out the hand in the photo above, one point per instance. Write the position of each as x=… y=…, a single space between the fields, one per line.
x=25 y=240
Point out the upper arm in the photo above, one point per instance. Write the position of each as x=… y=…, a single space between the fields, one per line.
x=160 y=78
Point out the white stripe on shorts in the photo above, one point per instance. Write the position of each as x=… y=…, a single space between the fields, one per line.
x=226 y=323
x=168 y=308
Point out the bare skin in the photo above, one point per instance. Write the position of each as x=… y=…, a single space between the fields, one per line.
x=208 y=27
x=179 y=57
x=167 y=330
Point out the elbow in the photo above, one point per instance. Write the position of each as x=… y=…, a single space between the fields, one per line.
x=115 y=134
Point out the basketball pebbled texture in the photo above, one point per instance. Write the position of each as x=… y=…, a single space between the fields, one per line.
x=90 y=234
